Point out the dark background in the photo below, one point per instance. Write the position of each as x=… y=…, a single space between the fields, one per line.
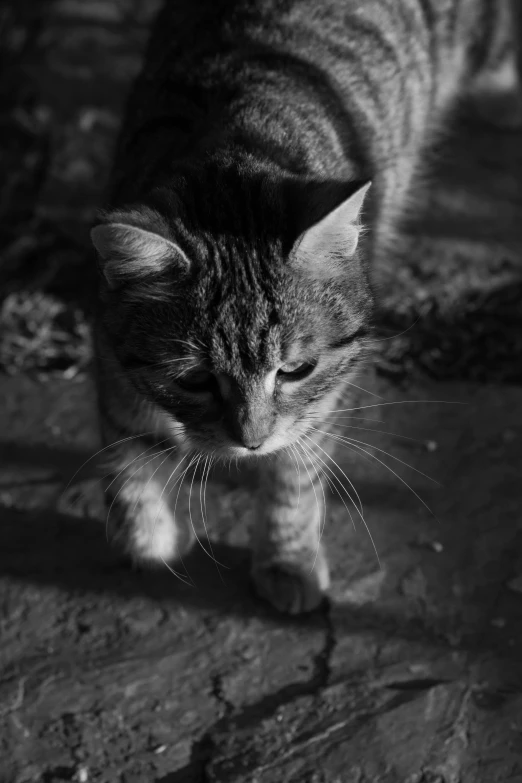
x=65 y=70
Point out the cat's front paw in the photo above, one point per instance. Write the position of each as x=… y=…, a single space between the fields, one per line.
x=147 y=533
x=291 y=587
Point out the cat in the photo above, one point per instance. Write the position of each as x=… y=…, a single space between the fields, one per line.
x=265 y=160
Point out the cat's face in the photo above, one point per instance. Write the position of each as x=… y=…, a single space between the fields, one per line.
x=245 y=346
x=252 y=378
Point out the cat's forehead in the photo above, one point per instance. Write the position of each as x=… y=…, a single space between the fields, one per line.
x=253 y=317
x=255 y=348
x=243 y=350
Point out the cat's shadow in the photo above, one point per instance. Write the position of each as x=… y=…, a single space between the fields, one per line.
x=47 y=547
x=48 y=544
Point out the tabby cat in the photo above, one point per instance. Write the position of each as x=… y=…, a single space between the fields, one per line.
x=235 y=305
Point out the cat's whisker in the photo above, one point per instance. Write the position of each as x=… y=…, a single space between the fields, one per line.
x=359 y=511
x=129 y=478
x=319 y=417
x=356 y=449
x=323 y=523
x=190 y=580
x=185 y=578
x=208 y=553
x=202 y=488
x=173 y=360
x=83 y=494
x=109 y=446
x=299 y=443
x=393 y=336
x=211 y=463
x=291 y=451
x=203 y=472
x=182 y=577
x=179 y=482
x=366 y=391
x=329 y=456
x=329 y=469
x=314 y=466
x=145 y=365
x=333 y=486
x=190 y=343
x=344 y=438
x=189 y=499
x=381 y=432
x=140 y=467
x=166 y=452
x=396 y=402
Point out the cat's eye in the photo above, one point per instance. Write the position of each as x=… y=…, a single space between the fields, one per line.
x=295 y=371
x=199 y=381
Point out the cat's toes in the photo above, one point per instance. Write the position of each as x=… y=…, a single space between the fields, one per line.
x=292 y=588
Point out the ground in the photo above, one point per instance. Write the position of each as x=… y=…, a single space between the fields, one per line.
x=411 y=672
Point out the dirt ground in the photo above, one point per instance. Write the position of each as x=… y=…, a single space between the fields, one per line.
x=412 y=672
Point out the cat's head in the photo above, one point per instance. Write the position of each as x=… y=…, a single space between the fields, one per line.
x=241 y=314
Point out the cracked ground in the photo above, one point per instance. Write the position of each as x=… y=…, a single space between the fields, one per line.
x=412 y=672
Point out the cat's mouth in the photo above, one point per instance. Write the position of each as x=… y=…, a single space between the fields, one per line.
x=234 y=450
x=277 y=441
x=245 y=452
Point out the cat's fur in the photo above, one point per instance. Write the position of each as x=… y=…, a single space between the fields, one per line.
x=232 y=244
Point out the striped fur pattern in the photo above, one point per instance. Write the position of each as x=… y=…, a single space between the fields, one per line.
x=235 y=305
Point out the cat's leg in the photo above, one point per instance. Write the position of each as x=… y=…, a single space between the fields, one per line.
x=141 y=463
x=497 y=88
x=289 y=563
x=141 y=486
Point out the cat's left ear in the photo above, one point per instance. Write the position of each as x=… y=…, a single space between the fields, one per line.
x=131 y=253
x=324 y=248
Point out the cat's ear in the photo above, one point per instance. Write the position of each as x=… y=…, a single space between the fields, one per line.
x=134 y=254
x=325 y=247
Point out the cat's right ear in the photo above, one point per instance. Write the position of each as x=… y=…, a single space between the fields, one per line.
x=132 y=254
x=326 y=248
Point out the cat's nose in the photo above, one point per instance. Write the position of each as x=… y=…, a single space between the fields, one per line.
x=250 y=427
x=252 y=438
x=252 y=444
x=253 y=435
